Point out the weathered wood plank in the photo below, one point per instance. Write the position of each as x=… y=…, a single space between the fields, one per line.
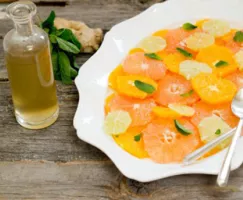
x=102 y=181
x=56 y=143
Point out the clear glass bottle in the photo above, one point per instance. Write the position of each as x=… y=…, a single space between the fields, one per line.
x=28 y=61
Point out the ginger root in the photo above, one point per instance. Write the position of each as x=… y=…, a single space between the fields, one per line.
x=88 y=37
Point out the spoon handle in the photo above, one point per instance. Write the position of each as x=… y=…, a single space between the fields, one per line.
x=223 y=175
x=192 y=157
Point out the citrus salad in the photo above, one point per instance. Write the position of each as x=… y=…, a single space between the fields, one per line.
x=172 y=93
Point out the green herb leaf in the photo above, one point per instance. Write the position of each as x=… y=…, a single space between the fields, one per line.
x=65 y=68
x=73 y=72
x=145 y=87
x=137 y=138
x=181 y=128
x=49 y=22
x=53 y=38
x=221 y=63
x=189 y=26
x=68 y=35
x=188 y=94
x=238 y=36
x=184 y=52
x=218 y=132
x=153 y=56
x=54 y=58
x=67 y=46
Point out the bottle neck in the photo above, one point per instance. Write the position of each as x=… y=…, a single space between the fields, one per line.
x=24 y=28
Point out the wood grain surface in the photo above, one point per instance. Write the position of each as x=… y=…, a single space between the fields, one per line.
x=54 y=164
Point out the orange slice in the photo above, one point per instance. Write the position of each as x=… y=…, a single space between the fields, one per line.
x=161 y=33
x=213 y=89
x=164 y=112
x=139 y=64
x=132 y=142
x=118 y=71
x=135 y=50
x=165 y=144
x=213 y=54
x=126 y=86
x=172 y=61
x=139 y=110
x=201 y=22
x=171 y=88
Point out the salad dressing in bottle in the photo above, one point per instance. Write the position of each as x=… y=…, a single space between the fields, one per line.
x=29 y=65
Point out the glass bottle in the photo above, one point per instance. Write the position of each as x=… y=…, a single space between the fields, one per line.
x=28 y=61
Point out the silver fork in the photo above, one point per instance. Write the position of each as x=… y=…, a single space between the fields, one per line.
x=192 y=157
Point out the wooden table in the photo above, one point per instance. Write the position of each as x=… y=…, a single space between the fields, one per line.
x=54 y=164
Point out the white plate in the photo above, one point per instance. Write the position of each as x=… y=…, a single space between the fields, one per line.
x=92 y=83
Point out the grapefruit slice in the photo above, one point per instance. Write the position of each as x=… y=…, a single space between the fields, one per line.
x=165 y=144
x=139 y=64
x=236 y=78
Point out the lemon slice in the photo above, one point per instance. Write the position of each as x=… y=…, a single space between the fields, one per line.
x=117 y=122
x=216 y=27
x=198 y=41
x=182 y=109
x=239 y=59
x=211 y=128
x=152 y=44
x=191 y=68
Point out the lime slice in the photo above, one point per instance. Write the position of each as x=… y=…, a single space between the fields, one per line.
x=216 y=27
x=239 y=59
x=198 y=41
x=182 y=109
x=152 y=44
x=191 y=68
x=117 y=122
x=209 y=128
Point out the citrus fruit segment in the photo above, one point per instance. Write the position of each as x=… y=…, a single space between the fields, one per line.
x=126 y=86
x=132 y=142
x=211 y=128
x=117 y=122
x=239 y=59
x=203 y=110
x=118 y=71
x=161 y=33
x=236 y=78
x=191 y=68
x=139 y=110
x=216 y=27
x=230 y=43
x=200 y=23
x=214 y=54
x=135 y=50
x=139 y=64
x=170 y=89
x=152 y=44
x=107 y=103
x=212 y=89
x=175 y=38
x=183 y=110
x=165 y=144
x=172 y=62
x=164 y=112
x=198 y=41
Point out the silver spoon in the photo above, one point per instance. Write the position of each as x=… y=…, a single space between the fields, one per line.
x=195 y=155
x=237 y=109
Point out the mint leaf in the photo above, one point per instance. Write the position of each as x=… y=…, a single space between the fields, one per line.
x=218 y=132
x=238 y=36
x=145 y=87
x=49 y=22
x=73 y=73
x=221 y=63
x=184 y=52
x=181 y=128
x=189 y=26
x=188 y=94
x=153 y=56
x=65 y=68
x=67 y=46
x=53 y=38
x=137 y=138
x=54 y=58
